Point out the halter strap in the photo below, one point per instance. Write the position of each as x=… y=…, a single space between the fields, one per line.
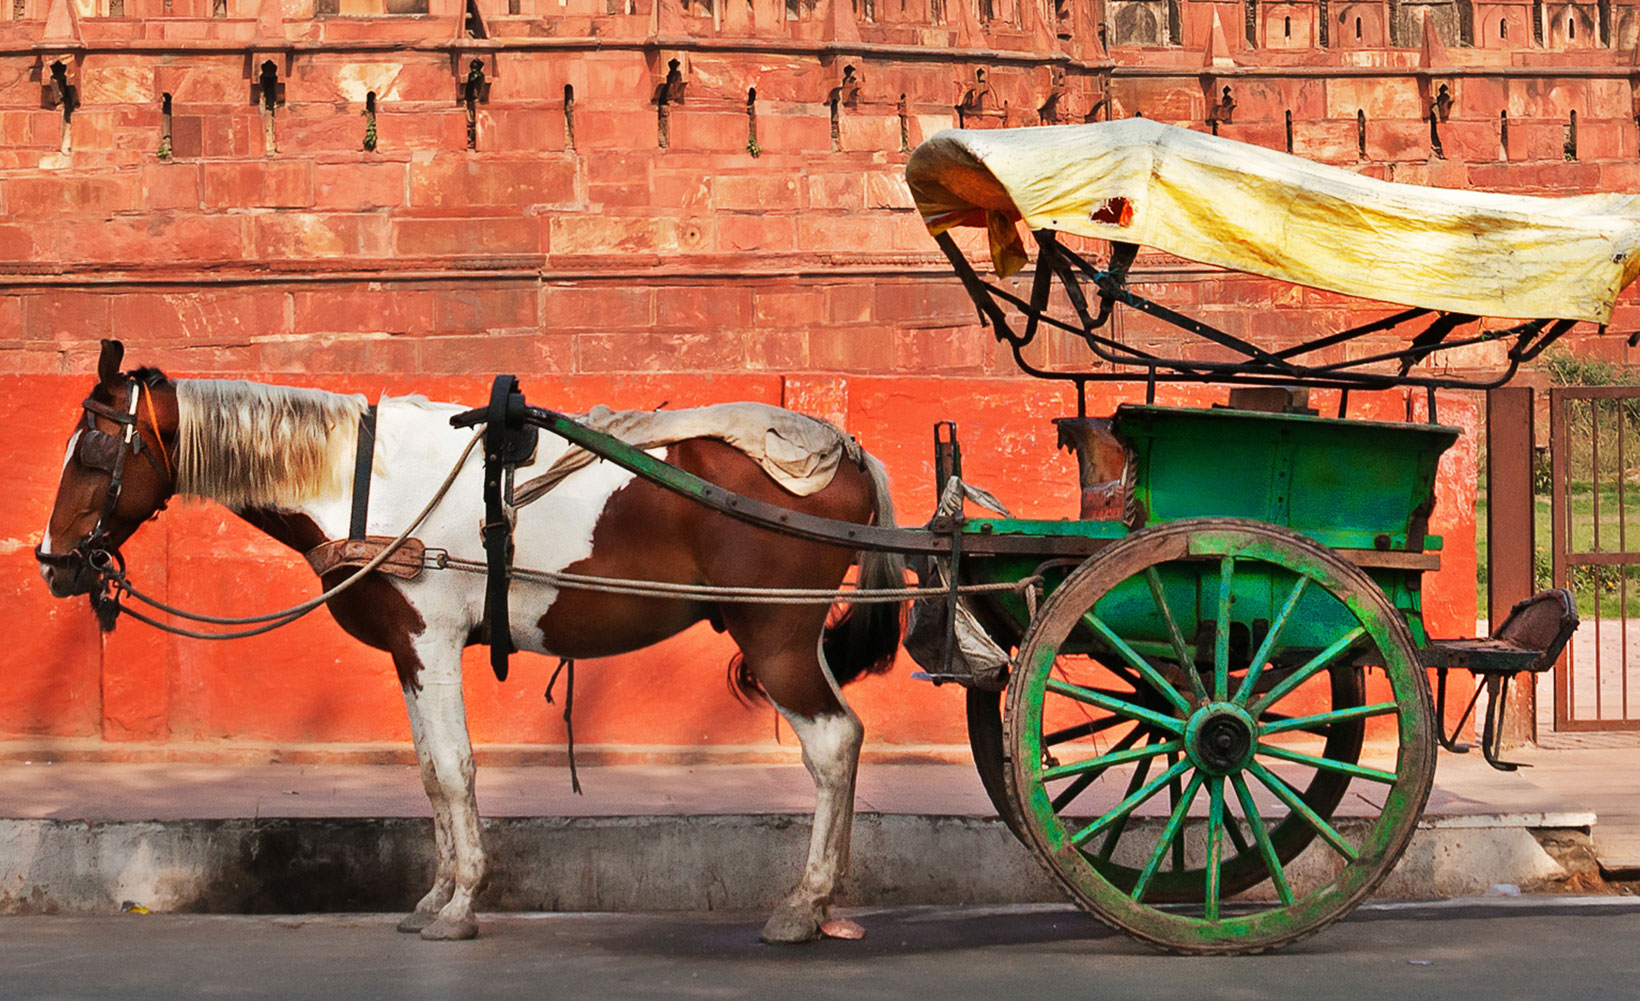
x=153 y=422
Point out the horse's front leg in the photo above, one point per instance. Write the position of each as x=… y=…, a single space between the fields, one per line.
x=446 y=754
x=831 y=753
x=444 y=879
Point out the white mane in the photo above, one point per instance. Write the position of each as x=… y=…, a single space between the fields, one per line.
x=248 y=445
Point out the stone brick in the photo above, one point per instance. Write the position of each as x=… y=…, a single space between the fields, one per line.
x=259 y=184
x=319 y=235
x=72 y=195
x=170 y=186
x=461 y=181
x=529 y=351
x=65 y=316
x=488 y=307
x=658 y=351
x=596 y=307
x=754 y=191
x=216 y=317
x=714 y=306
x=359 y=185
x=104 y=83
x=580 y=234
x=787 y=307
x=391 y=309
x=751 y=231
x=340 y=354
x=464 y=236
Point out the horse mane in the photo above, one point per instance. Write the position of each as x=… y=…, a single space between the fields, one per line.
x=249 y=445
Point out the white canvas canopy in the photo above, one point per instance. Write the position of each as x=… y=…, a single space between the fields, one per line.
x=1226 y=203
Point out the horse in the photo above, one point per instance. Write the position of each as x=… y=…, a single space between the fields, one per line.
x=283 y=459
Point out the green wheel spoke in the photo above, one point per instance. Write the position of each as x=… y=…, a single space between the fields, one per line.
x=1315 y=664
x=1233 y=829
x=1320 y=720
x=1087 y=729
x=1131 y=802
x=1174 y=793
x=1175 y=821
x=1215 y=823
x=1105 y=761
x=1187 y=660
x=1081 y=783
x=1068 y=795
x=1342 y=767
x=1121 y=707
x=1114 y=834
x=1262 y=657
x=1138 y=663
x=1296 y=803
x=1221 y=631
x=1271 y=861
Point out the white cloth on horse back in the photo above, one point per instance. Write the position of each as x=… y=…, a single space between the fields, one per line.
x=798 y=452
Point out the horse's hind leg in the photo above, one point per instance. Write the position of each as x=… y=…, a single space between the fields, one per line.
x=446 y=754
x=798 y=682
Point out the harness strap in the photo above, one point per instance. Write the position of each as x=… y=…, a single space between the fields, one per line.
x=508 y=441
x=364 y=459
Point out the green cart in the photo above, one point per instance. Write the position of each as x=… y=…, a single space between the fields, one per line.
x=1205 y=704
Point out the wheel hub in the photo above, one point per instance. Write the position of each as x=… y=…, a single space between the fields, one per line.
x=1220 y=738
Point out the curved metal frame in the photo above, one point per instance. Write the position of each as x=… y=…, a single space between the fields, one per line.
x=1256 y=366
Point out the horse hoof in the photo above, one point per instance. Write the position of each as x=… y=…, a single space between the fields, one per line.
x=791 y=925
x=415 y=921
x=445 y=930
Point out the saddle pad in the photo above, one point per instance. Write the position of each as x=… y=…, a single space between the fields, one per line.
x=798 y=452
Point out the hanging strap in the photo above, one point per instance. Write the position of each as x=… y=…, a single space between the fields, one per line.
x=508 y=442
x=364 y=459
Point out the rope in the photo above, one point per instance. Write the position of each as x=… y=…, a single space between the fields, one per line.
x=742 y=595
x=275 y=620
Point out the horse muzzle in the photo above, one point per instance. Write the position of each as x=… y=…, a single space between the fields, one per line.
x=67 y=574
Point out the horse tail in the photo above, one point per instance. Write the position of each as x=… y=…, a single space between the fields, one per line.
x=865 y=638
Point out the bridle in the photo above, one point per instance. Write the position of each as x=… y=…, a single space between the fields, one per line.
x=106 y=452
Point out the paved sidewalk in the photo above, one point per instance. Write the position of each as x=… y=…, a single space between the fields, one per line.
x=1599 y=781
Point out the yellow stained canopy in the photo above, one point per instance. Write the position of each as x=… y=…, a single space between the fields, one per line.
x=1221 y=202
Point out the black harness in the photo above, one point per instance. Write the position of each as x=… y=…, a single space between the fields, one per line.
x=102 y=451
x=509 y=441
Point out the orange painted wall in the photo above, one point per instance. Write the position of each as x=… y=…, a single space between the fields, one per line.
x=308 y=689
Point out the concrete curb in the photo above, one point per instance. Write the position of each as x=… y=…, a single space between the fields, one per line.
x=651 y=863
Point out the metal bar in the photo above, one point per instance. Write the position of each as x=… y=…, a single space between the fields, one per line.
x=1511 y=526
x=1575 y=559
x=1565 y=695
x=1594 y=543
x=785 y=521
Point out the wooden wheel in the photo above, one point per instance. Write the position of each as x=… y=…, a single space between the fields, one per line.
x=1185 y=725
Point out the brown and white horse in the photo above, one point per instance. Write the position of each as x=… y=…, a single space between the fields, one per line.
x=283 y=458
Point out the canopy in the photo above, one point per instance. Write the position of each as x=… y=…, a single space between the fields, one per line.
x=1254 y=210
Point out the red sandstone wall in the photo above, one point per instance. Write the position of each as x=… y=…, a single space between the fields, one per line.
x=613 y=270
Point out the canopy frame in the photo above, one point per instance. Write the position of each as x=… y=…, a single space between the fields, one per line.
x=1002 y=310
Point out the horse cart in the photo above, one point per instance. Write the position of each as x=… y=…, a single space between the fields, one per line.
x=1204 y=704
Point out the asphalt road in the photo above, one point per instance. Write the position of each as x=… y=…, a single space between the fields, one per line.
x=1543 y=948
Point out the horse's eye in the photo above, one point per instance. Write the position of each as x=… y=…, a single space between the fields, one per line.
x=98 y=450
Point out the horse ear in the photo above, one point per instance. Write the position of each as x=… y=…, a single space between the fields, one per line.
x=108 y=365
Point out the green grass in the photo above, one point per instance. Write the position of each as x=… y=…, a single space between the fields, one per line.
x=1615 y=533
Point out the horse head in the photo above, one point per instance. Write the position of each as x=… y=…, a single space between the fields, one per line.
x=118 y=471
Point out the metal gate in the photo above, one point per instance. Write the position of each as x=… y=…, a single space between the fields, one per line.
x=1594 y=442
